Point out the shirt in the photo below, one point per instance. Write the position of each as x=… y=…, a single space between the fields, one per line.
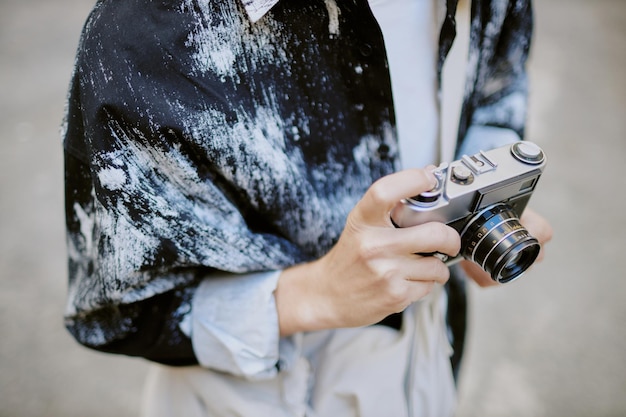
x=170 y=100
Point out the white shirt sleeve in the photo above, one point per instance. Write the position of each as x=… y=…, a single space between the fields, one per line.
x=234 y=325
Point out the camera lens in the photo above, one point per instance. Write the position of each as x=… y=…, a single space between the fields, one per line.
x=495 y=240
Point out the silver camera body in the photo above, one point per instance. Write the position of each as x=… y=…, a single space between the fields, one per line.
x=482 y=197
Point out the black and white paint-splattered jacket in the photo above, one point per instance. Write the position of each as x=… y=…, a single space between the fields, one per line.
x=199 y=139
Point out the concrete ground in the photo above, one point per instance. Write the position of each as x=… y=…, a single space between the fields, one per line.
x=550 y=344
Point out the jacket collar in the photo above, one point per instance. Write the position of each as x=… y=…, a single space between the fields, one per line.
x=256 y=9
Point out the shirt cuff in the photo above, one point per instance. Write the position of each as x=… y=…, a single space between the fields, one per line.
x=234 y=326
x=484 y=138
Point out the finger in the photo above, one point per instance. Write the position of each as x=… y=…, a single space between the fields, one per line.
x=385 y=193
x=477 y=274
x=415 y=291
x=428 y=238
x=403 y=293
x=537 y=226
x=541 y=255
x=428 y=268
x=417 y=268
x=414 y=279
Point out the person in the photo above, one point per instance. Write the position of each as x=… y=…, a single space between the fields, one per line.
x=230 y=169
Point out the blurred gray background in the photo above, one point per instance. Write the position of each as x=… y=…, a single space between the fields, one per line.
x=550 y=344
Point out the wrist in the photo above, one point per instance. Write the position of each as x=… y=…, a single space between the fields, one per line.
x=300 y=304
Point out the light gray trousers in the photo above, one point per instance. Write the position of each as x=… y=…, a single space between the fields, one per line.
x=373 y=371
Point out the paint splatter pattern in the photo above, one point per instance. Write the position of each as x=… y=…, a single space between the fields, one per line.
x=198 y=140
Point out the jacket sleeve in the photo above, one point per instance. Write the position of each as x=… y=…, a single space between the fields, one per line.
x=162 y=176
x=96 y=314
x=143 y=229
x=148 y=216
x=209 y=323
x=496 y=96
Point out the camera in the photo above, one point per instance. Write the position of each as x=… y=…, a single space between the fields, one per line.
x=482 y=197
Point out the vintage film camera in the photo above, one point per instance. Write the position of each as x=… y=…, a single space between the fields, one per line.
x=482 y=197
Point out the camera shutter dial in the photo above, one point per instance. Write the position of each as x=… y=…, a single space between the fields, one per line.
x=528 y=153
x=461 y=175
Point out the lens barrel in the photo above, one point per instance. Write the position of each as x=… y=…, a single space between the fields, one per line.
x=495 y=240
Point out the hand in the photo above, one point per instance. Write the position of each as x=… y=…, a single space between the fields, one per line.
x=374 y=269
x=537 y=225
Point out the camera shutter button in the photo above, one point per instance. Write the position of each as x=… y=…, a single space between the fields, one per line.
x=429 y=198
